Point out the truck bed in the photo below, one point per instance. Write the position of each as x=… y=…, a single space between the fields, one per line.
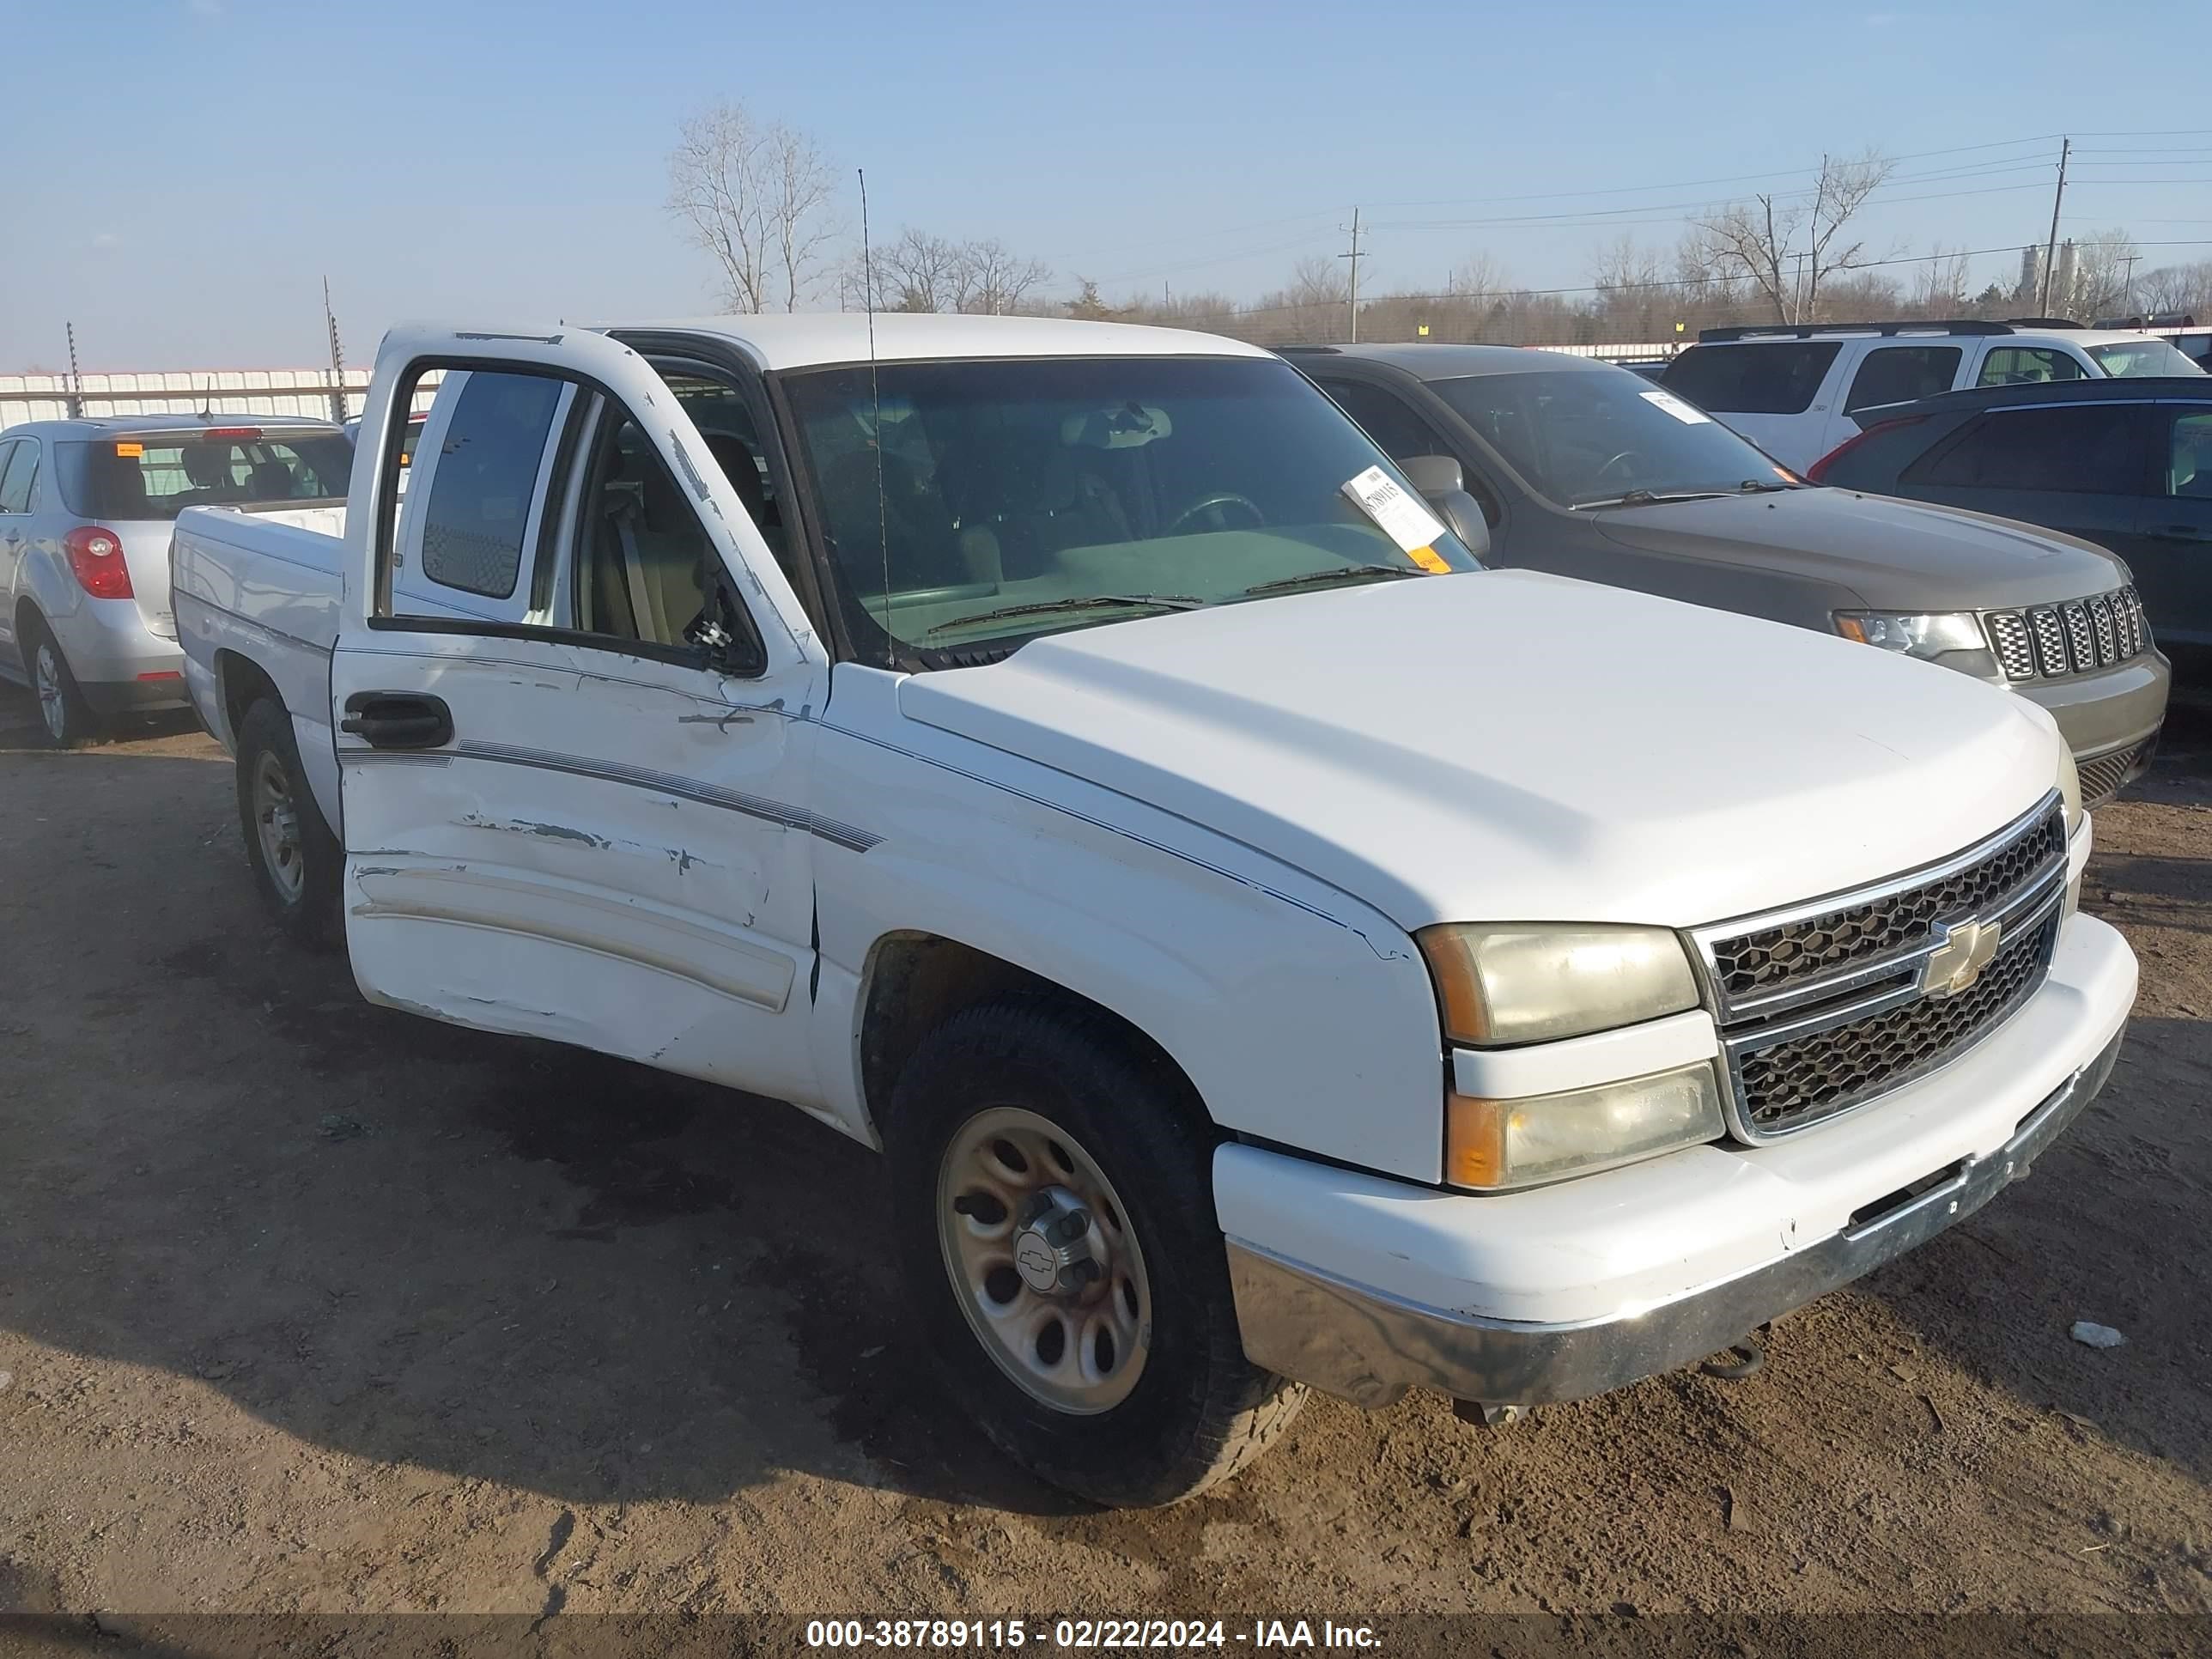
x=262 y=586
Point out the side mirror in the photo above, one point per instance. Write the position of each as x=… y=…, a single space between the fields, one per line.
x=725 y=632
x=1463 y=514
x=1443 y=484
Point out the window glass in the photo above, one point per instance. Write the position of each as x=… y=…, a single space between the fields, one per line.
x=1022 y=496
x=2028 y=366
x=1387 y=420
x=725 y=421
x=1900 y=375
x=485 y=482
x=155 y=475
x=2189 y=466
x=1776 y=376
x=18 y=461
x=2084 y=448
x=1582 y=436
x=644 y=563
x=2134 y=359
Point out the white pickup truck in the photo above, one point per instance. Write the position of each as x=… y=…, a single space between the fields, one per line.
x=1271 y=951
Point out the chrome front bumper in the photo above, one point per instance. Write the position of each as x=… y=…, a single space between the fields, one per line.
x=1369 y=1347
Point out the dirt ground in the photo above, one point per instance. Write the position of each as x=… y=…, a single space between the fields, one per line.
x=310 y=1306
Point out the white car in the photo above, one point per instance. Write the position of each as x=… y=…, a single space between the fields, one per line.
x=1793 y=391
x=1069 y=758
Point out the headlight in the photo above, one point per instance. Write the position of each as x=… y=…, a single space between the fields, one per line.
x=1935 y=635
x=1493 y=1144
x=2069 y=788
x=1502 y=985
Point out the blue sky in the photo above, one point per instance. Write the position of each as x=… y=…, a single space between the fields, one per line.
x=503 y=161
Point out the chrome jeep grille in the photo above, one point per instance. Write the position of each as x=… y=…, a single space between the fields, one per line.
x=2048 y=641
x=1826 y=1006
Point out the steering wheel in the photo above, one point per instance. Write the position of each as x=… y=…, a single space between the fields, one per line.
x=1624 y=455
x=1214 y=503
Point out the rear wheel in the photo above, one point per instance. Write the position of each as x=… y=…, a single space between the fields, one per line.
x=64 y=711
x=1054 y=1214
x=297 y=862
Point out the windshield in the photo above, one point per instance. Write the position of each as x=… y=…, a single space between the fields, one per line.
x=1584 y=436
x=1023 y=494
x=2141 y=359
x=155 y=475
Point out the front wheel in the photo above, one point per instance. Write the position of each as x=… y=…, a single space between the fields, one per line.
x=297 y=863
x=1055 y=1213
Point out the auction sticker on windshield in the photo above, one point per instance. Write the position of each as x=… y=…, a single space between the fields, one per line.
x=1400 y=516
x=1675 y=406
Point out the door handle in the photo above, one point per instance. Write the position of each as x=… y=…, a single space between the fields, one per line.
x=2181 y=532
x=398 y=720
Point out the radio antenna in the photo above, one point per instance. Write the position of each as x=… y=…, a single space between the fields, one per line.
x=876 y=394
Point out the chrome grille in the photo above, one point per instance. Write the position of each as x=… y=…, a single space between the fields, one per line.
x=2049 y=641
x=1821 y=1006
x=2045 y=641
x=2015 y=651
x=2100 y=618
x=1827 y=1071
x=1752 y=964
x=2080 y=639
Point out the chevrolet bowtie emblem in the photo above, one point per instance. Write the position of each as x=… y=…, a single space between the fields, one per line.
x=1962 y=950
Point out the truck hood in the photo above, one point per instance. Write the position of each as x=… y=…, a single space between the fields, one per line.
x=1894 y=555
x=1511 y=746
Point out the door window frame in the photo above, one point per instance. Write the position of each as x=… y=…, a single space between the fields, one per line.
x=559 y=527
x=711 y=358
x=1479 y=475
x=31 y=485
x=1850 y=391
x=2137 y=411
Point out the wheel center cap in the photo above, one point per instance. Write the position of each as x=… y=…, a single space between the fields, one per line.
x=1057 y=1250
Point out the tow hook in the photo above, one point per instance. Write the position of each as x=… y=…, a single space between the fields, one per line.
x=1487 y=1415
x=1748 y=1357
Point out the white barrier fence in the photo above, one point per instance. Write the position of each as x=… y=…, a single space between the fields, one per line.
x=222 y=391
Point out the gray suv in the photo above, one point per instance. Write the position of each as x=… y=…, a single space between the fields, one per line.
x=1585 y=470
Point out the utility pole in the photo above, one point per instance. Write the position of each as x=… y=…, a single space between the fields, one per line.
x=2051 y=248
x=75 y=379
x=2128 y=294
x=1354 y=257
x=339 y=411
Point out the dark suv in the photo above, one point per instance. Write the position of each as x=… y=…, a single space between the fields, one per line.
x=1585 y=470
x=2126 y=465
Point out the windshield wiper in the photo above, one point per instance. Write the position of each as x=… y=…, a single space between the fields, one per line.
x=1763 y=486
x=1080 y=602
x=1341 y=573
x=1651 y=497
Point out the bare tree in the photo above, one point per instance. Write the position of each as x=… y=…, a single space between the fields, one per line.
x=2101 y=265
x=2184 y=289
x=755 y=197
x=1632 y=294
x=1940 y=290
x=997 y=278
x=1787 y=247
x=919 y=270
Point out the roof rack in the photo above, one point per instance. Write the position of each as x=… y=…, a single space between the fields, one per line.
x=2044 y=322
x=1317 y=350
x=1811 y=331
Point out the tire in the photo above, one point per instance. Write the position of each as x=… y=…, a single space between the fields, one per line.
x=65 y=715
x=1175 y=1407
x=298 y=864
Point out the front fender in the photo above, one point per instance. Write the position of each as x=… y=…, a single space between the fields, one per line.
x=1300 y=1015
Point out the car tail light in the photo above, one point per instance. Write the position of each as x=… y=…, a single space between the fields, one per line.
x=96 y=558
x=233 y=435
x=1818 y=472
